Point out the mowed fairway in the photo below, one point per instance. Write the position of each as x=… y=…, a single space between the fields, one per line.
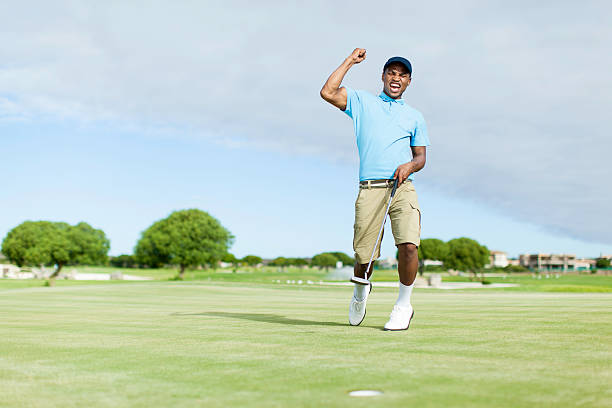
x=253 y=345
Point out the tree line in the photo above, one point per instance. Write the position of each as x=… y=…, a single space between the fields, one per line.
x=192 y=238
x=186 y=238
x=324 y=260
x=461 y=254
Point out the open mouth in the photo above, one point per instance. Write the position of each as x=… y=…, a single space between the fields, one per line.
x=395 y=87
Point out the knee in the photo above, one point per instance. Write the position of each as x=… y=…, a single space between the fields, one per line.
x=408 y=251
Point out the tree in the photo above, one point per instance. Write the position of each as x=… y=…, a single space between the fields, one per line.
x=123 y=261
x=252 y=260
x=514 y=268
x=55 y=243
x=602 y=263
x=433 y=249
x=297 y=261
x=91 y=245
x=229 y=258
x=324 y=260
x=467 y=255
x=342 y=257
x=280 y=261
x=184 y=238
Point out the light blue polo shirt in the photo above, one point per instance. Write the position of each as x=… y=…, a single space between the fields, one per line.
x=385 y=129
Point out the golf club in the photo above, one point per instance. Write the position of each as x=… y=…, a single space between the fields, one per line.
x=365 y=281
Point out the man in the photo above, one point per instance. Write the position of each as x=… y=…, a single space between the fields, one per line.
x=391 y=139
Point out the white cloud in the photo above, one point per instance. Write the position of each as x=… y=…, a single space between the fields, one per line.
x=517 y=96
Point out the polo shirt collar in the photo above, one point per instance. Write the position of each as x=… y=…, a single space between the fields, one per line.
x=387 y=98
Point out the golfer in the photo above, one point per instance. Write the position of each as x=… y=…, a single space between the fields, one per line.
x=391 y=139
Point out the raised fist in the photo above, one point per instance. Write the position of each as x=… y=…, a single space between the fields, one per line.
x=358 y=55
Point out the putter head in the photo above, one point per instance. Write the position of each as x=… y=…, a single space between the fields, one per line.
x=360 y=281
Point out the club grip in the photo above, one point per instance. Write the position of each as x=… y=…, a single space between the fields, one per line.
x=394 y=187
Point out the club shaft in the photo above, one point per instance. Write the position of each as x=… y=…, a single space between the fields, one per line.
x=382 y=227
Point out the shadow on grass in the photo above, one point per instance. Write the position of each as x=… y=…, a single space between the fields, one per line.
x=267 y=318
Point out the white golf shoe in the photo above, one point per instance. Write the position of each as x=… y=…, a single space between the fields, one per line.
x=357 y=309
x=400 y=318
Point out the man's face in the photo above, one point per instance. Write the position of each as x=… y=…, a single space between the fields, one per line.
x=395 y=80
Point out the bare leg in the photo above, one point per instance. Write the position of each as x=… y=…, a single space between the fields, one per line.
x=408 y=263
x=359 y=270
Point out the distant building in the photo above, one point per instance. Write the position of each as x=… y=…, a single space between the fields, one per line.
x=387 y=263
x=514 y=262
x=584 y=264
x=549 y=262
x=9 y=271
x=498 y=259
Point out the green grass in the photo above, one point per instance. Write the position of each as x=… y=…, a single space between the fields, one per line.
x=7 y=284
x=158 y=274
x=527 y=282
x=228 y=344
x=562 y=283
x=242 y=274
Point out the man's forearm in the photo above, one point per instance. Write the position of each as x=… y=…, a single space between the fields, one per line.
x=419 y=155
x=416 y=164
x=412 y=166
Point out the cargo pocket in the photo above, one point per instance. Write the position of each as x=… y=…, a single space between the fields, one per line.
x=415 y=206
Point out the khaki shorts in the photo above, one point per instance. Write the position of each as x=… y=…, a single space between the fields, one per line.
x=370 y=206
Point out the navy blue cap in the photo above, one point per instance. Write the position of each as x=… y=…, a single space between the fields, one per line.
x=401 y=60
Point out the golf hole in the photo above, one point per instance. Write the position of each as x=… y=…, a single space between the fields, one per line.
x=365 y=393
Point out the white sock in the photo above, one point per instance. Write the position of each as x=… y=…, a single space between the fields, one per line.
x=403 y=299
x=360 y=291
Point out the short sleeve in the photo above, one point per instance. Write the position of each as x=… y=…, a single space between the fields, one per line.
x=353 y=102
x=421 y=138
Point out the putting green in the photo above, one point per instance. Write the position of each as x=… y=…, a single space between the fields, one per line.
x=246 y=345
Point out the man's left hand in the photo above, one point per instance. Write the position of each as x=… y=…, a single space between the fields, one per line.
x=402 y=172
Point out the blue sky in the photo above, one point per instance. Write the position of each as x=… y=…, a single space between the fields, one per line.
x=275 y=204
x=118 y=114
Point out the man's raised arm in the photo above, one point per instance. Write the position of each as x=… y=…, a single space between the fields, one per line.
x=331 y=91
